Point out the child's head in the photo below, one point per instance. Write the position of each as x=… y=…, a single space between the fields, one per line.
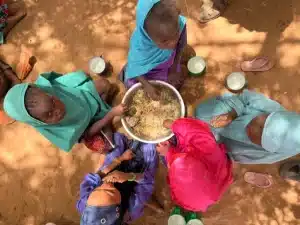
x=44 y=107
x=162 y=24
x=4 y=84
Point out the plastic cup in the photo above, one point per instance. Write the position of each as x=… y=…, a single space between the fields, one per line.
x=97 y=65
x=195 y=222
x=236 y=81
x=176 y=217
x=196 y=66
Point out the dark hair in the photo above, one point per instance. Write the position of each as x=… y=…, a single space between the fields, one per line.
x=162 y=20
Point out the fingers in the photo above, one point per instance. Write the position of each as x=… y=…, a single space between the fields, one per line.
x=124 y=108
x=168 y=124
x=109 y=179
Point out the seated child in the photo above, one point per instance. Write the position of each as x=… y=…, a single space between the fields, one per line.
x=254 y=128
x=199 y=171
x=156 y=46
x=118 y=192
x=10 y=14
x=62 y=107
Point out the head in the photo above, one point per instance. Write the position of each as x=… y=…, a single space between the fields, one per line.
x=255 y=128
x=4 y=84
x=162 y=24
x=105 y=202
x=43 y=106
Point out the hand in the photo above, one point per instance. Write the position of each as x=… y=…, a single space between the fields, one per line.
x=163 y=148
x=168 y=124
x=152 y=92
x=127 y=155
x=119 y=110
x=175 y=78
x=222 y=120
x=127 y=217
x=117 y=177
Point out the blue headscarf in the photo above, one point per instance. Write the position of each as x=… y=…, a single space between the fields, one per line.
x=281 y=133
x=144 y=55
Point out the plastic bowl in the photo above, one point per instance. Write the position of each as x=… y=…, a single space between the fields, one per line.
x=236 y=81
x=97 y=65
x=196 y=66
x=127 y=98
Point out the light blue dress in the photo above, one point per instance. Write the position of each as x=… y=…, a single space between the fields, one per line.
x=279 y=139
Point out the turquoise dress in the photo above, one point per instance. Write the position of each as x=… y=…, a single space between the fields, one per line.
x=80 y=97
x=279 y=141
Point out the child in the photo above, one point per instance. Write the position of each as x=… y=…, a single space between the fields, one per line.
x=10 y=15
x=118 y=192
x=156 y=46
x=199 y=171
x=62 y=107
x=254 y=128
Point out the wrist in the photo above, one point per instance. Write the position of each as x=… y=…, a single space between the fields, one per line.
x=233 y=114
x=113 y=112
x=118 y=160
x=131 y=177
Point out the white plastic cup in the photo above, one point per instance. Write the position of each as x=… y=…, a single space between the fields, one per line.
x=195 y=222
x=97 y=65
x=236 y=81
x=176 y=220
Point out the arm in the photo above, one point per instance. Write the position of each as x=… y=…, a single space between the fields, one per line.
x=145 y=185
x=100 y=124
x=9 y=73
x=148 y=87
x=115 y=163
x=89 y=183
x=256 y=101
x=182 y=42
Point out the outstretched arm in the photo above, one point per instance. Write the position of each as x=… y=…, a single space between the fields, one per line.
x=100 y=124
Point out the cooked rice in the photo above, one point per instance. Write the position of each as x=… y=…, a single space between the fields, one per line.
x=149 y=115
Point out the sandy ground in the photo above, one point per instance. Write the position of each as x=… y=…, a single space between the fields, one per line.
x=39 y=183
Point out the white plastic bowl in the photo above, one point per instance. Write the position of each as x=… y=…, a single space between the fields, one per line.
x=236 y=81
x=196 y=66
x=97 y=65
x=131 y=91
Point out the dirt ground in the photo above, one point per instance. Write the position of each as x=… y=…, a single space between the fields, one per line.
x=39 y=183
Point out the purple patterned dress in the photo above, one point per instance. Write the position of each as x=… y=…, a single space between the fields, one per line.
x=142 y=190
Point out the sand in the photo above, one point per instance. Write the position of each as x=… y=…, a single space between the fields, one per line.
x=39 y=183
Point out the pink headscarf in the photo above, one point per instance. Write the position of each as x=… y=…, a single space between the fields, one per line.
x=199 y=169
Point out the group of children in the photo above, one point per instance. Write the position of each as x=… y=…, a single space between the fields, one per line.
x=249 y=128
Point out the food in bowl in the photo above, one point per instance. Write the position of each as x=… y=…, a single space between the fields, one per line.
x=146 y=116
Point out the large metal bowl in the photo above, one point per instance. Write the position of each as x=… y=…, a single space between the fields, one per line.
x=127 y=98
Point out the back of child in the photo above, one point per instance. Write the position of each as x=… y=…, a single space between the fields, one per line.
x=156 y=44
